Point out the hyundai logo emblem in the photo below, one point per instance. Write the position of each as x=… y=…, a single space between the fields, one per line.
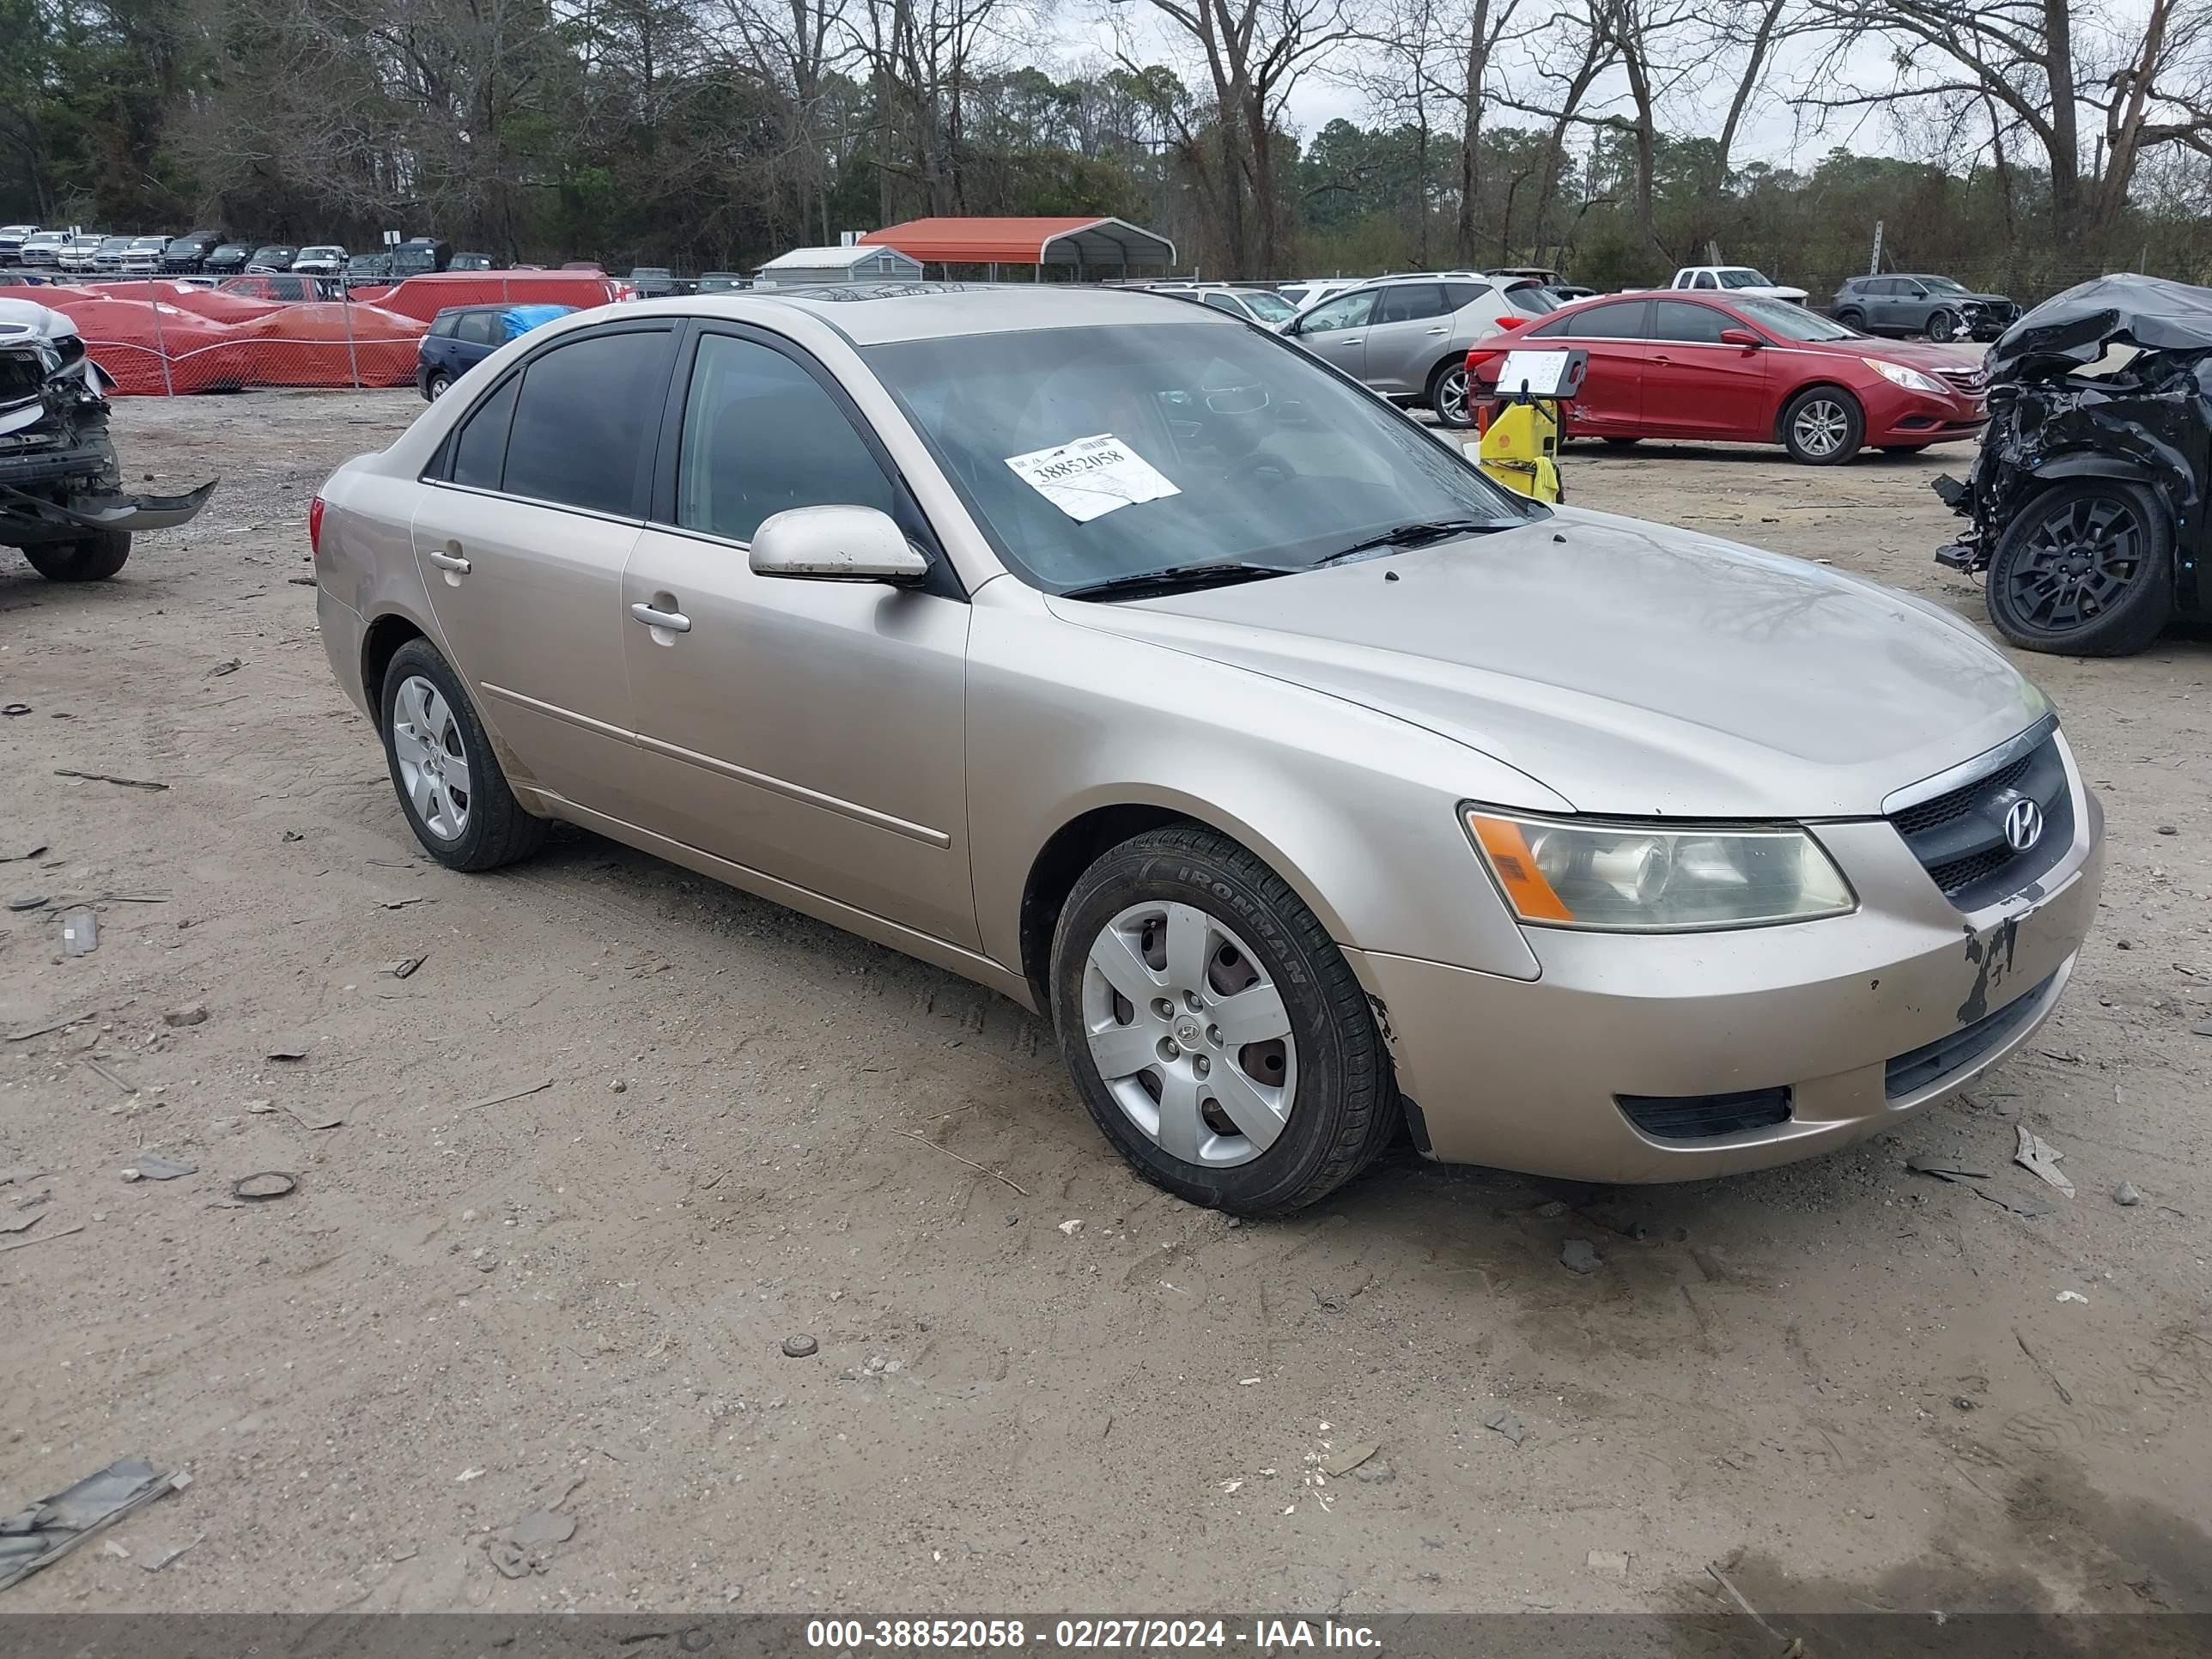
x=2023 y=825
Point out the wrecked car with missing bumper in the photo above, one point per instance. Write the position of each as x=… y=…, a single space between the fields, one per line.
x=61 y=496
x=2088 y=499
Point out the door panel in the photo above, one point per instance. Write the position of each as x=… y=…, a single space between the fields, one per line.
x=1613 y=337
x=1410 y=330
x=1694 y=386
x=527 y=599
x=1335 y=331
x=810 y=730
x=521 y=544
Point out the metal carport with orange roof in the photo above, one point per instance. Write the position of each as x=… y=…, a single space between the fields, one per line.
x=1088 y=247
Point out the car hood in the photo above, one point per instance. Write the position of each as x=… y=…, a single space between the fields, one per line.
x=1629 y=667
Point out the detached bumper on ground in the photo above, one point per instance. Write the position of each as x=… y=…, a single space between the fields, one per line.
x=1675 y=1057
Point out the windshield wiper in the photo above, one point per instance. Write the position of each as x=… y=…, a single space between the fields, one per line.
x=1178 y=579
x=1421 y=531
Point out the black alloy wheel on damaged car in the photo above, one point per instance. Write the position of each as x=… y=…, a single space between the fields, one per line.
x=2086 y=569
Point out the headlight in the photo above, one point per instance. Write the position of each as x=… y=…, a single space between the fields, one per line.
x=1630 y=877
x=1898 y=374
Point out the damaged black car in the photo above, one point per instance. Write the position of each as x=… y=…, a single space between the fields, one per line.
x=2087 y=501
x=61 y=497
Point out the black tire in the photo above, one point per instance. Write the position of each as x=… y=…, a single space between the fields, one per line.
x=436 y=384
x=1803 y=417
x=1343 y=1109
x=90 y=558
x=494 y=829
x=2085 y=569
x=1942 y=325
x=1447 y=394
x=1852 y=319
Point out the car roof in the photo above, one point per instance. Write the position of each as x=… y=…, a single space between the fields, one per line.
x=880 y=314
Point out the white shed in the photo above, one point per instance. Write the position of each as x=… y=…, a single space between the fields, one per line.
x=813 y=267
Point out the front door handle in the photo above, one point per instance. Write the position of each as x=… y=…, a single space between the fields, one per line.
x=453 y=562
x=1358 y=340
x=674 y=621
x=1661 y=358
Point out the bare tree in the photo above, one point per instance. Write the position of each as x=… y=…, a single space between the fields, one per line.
x=2051 y=67
x=1254 y=52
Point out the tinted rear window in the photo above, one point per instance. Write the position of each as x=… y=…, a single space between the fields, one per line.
x=587 y=411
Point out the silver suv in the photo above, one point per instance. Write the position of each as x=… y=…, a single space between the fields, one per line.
x=1407 y=336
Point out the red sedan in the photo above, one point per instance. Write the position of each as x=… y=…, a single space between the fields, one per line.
x=1682 y=365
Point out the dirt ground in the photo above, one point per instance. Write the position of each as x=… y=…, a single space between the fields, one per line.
x=1882 y=1390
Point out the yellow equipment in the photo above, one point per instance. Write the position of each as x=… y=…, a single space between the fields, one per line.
x=1520 y=443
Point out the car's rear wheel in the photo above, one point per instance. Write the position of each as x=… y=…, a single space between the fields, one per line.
x=2086 y=569
x=437 y=384
x=1216 y=1034
x=451 y=788
x=1942 y=326
x=1851 y=319
x=89 y=558
x=1447 y=396
x=1823 y=426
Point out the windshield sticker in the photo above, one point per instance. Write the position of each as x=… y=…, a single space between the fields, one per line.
x=1090 y=476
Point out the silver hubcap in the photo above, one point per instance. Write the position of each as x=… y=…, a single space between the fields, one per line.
x=1189 y=1034
x=434 y=768
x=437 y=387
x=1451 y=397
x=1821 y=427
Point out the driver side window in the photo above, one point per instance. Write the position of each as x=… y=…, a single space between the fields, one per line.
x=761 y=436
x=1346 y=310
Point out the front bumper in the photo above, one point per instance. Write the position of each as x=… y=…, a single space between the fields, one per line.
x=1902 y=995
x=1896 y=415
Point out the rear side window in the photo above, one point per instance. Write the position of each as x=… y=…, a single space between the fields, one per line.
x=1696 y=325
x=479 y=327
x=443 y=325
x=480 y=449
x=1223 y=302
x=585 y=419
x=1704 y=279
x=1623 y=320
x=761 y=437
x=1409 y=303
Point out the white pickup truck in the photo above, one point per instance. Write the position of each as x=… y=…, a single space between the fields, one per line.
x=1737 y=279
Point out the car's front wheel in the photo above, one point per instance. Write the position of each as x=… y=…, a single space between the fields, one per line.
x=88 y=558
x=1216 y=1034
x=2085 y=568
x=451 y=788
x=1942 y=326
x=1823 y=426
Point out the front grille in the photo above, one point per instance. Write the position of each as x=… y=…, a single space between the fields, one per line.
x=1908 y=1073
x=1959 y=836
x=1966 y=379
x=1701 y=1117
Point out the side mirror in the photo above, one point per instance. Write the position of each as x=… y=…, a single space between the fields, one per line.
x=836 y=545
x=1740 y=336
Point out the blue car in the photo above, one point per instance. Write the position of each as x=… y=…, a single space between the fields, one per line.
x=462 y=336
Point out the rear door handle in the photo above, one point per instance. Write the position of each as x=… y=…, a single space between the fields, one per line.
x=1661 y=358
x=1356 y=340
x=453 y=562
x=1439 y=330
x=674 y=621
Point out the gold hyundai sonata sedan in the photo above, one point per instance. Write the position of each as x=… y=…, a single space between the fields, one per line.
x=1119 y=656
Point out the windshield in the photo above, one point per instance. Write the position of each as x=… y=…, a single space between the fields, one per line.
x=1742 y=277
x=1268 y=308
x=1793 y=322
x=1201 y=445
